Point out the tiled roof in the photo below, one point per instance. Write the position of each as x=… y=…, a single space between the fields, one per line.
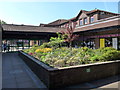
x=108 y=22
x=57 y=22
x=99 y=24
x=95 y=10
x=28 y=28
x=54 y=23
x=62 y=21
x=92 y=11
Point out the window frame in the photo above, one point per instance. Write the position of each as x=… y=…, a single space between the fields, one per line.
x=91 y=19
x=80 y=22
x=85 y=21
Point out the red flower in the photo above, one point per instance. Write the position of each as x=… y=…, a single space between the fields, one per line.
x=30 y=53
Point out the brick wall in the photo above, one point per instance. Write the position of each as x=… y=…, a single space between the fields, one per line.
x=54 y=77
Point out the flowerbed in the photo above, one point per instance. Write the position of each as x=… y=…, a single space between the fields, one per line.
x=55 y=71
x=65 y=57
x=60 y=77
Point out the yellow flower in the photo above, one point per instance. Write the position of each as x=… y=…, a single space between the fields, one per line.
x=38 y=50
x=44 y=50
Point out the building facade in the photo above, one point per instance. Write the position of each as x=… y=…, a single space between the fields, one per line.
x=96 y=28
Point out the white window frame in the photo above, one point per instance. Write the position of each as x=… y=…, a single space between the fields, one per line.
x=91 y=19
x=85 y=21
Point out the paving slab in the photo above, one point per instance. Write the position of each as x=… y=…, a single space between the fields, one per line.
x=16 y=74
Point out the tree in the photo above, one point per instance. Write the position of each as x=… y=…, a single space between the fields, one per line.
x=2 y=22
x=54 y=42
x=68 y=34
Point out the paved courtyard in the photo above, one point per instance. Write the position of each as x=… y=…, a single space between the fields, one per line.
x=16 y=74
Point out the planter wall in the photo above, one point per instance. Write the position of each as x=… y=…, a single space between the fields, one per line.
x=53 y=77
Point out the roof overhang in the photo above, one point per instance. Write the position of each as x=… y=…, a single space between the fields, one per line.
x=100 y=24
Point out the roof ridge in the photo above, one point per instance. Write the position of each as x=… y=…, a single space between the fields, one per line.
x=101 y=10
x=84 y=10
x=21 y=25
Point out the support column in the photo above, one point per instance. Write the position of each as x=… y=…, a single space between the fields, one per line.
x=97 y=43
x=37 y=42
x=31 y=42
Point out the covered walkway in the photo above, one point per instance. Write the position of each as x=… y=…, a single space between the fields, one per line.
x=16 y=74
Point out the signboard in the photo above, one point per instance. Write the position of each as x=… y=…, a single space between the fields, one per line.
x=115 y=43
x=102 y=42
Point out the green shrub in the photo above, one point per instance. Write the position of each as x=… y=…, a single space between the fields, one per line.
x=59 y=63
x=110 y=55
x=64 y=56
x=94 y=58
x=105 y=49
x=55 y=42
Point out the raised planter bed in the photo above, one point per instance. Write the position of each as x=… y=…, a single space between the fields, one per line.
x=58 y=77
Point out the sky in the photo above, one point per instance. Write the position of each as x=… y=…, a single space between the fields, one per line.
x=34 y=13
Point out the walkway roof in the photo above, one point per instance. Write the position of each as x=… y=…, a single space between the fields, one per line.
x=28 y=28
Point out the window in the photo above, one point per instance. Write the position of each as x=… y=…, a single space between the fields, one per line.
x=81 y=22
x=119 y=43
x=91 y=19
x=115 y=42
x=85 y=20
x=102 y=13
x=108 y=42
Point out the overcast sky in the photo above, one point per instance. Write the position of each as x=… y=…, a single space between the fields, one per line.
x=34 y=13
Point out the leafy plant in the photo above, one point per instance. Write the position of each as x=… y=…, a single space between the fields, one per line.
x=55 y=42
x=68 y=34
x=2 y=22
x=110 y=55
x=64 y=56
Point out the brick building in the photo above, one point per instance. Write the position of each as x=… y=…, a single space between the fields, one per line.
x=97 y=28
